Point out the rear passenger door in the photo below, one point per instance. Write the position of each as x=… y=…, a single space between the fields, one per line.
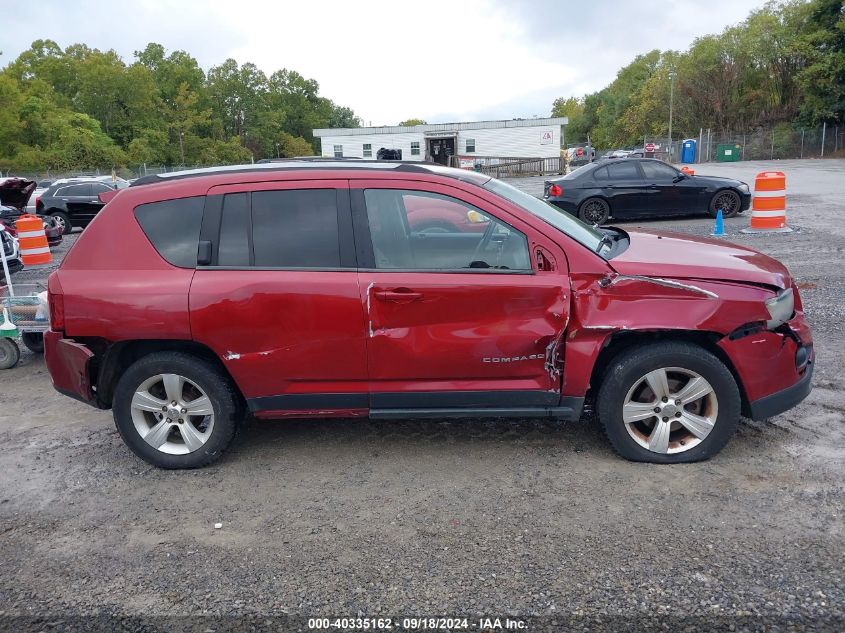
x=624 y=187
x=278 y=297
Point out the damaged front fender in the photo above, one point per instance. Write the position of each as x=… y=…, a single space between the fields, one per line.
x=604 y=304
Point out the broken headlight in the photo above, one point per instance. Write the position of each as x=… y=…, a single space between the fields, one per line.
x=781 y=308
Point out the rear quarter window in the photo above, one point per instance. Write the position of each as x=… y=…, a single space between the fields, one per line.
x=173 y=228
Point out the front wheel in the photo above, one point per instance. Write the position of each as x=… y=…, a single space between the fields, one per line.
x=668 y=403
x=726 y=200
x=175 y=410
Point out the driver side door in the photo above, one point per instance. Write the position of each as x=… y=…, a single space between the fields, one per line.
x=457 y=317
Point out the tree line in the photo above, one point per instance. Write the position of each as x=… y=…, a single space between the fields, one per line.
x=784 y=66
x=82 y=108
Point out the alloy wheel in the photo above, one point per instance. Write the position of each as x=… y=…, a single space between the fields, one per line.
x=670 y=410
x=60 y=222
x=594 y=212
x=172 y=414
x=728 y=202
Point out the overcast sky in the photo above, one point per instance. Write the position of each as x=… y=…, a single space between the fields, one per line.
x=389 y=60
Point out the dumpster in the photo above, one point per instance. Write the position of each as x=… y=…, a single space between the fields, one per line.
x=688 y=150
x=728 y=152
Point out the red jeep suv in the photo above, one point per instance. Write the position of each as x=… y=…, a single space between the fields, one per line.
x=303 y=288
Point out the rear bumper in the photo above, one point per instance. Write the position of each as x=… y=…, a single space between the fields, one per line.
x=69 y=364
x=783 y=400
x=563 y=205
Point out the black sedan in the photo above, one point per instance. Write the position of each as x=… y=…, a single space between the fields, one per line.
x=640 y=188
x=72 y=202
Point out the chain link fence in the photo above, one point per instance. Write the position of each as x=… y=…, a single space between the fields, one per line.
x=127 y=173
x=780 y=142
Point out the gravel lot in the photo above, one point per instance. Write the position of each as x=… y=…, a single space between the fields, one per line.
x=529 y=518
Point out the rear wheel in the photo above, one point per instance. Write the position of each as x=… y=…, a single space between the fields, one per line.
x=594 y=211
x=668 y=403
x=10 y=353
x=175 y=410
x=62 y=220
x=726 y=200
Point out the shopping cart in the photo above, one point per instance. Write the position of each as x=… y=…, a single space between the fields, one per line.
x=25 y=307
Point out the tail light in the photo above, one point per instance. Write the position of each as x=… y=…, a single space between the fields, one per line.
x=56 y=301
x=555 y=190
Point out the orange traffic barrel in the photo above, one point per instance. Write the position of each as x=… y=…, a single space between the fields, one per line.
x=33 y=241
x=688 y=171
x=768 y=207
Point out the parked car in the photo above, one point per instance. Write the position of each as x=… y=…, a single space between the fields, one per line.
x=643 y=187
x=114 y=183
x=301 y=290
x=9 y=217
x=12 y=251
x=73 y=203
x=14 y=196
x=40 y=188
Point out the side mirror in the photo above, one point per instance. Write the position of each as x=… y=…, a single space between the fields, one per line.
x=679 y=177
x=474 y=217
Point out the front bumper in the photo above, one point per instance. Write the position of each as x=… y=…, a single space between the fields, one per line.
x=774 y=367
x=746 y=201
x=783 y=400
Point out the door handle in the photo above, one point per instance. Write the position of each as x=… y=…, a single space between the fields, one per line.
x=400 y=295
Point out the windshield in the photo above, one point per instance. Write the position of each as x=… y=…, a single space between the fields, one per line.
x=573 y=227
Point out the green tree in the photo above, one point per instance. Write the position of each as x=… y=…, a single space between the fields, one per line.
x=411 y=122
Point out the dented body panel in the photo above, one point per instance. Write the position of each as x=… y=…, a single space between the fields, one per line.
x=463 y=332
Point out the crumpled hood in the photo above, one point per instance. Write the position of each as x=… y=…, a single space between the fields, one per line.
x=680 y=256
x=15 y=192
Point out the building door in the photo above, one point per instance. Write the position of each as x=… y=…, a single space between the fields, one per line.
x=440 y=149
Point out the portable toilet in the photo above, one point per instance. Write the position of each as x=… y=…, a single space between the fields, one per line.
x=688 y=150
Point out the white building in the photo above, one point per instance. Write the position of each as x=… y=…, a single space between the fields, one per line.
x=516 y=138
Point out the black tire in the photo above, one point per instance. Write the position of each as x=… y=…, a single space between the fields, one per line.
x=630 y=366
x=594 y=211
x=224 y=399
x=728 y=201
x=64 y=220
x=34 y=341
x=10 y=353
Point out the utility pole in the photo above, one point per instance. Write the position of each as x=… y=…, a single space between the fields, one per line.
x=182 y=147
x=278 y=154
x=824 y=129
x=671 y=106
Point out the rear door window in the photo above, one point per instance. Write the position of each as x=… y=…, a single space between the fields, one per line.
x=233 y=247
x=623 y=170
x=173 y=228
x=75 y=190
x=295 y=228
